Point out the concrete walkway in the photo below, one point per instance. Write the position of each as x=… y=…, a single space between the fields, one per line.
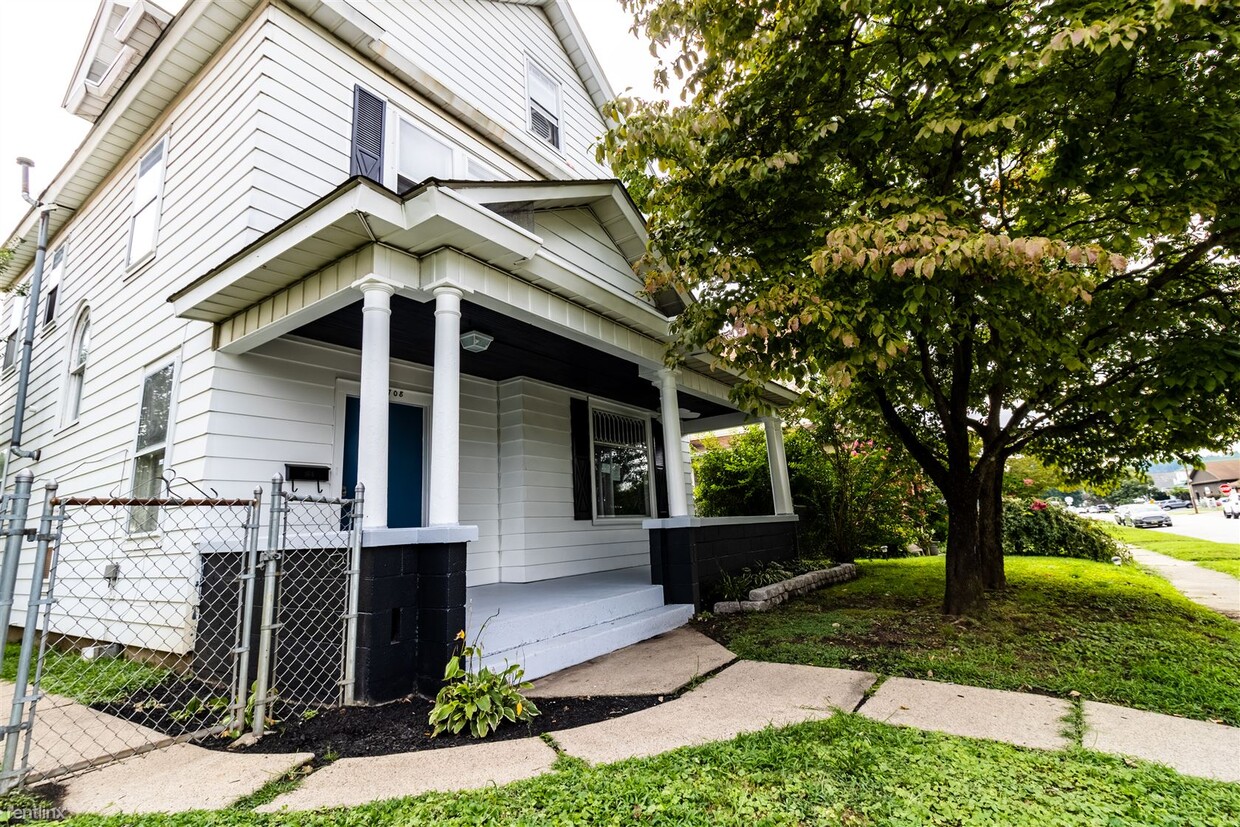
x=1212 y=589
x=744 y=697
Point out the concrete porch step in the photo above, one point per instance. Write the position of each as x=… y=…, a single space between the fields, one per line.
x=552 y=654
x=529 y=616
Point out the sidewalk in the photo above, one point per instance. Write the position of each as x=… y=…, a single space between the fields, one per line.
x=1209 y=588
x=718 y=708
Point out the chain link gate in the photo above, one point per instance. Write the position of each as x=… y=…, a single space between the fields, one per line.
x=155 y=621
x=307 y=615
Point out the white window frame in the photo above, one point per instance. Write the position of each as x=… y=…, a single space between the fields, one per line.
x=51 y=285
x=633 y=413
x=532 y=65
x=165 y=446
x=155 y=201
x=75 y=371
x=461 y=157
x=15 y=321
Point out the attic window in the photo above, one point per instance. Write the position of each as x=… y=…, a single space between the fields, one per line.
x=98 y=68
x=544 y=101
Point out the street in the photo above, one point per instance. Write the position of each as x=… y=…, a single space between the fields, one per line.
x=1208 y=525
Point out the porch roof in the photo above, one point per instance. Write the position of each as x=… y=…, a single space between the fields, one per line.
x=278 y=283
x=475 y=218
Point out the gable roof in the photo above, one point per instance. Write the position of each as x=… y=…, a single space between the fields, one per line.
x=1223 y=470
x=123 y=32
x=188 y=42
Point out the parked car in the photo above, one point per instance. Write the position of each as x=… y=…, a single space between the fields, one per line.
x=1104 y=508
x=1121 y=512
x=1231 y=506
x=1145 y=516
x=1174 y=503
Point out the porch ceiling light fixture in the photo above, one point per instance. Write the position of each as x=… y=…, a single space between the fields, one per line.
x=476 y=342
x=685 y=413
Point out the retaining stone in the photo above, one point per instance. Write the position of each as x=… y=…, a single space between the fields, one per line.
x=768 y=597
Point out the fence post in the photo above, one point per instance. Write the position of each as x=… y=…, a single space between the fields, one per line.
x=351 y=610
x=12 y=776
x=267 y=628
x=14 y=532
x=245 y=626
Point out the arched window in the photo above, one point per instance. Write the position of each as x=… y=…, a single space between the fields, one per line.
x=79 y=353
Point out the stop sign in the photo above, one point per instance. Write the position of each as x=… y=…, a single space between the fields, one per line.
x=1224 y=489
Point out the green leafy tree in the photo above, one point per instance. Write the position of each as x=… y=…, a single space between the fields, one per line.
x=1010 y=228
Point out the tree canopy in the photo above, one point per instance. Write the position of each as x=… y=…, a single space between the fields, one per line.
x=1010 y=227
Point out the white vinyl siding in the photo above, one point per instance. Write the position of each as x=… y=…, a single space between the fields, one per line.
x=441 y=37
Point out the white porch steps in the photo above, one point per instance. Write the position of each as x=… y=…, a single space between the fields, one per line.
x=554 y=624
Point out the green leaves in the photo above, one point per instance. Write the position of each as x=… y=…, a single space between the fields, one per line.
x=479 y=699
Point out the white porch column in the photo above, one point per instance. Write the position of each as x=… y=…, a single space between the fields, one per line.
x=446 y=410
x=372 y=420
x=781 y=488
x=673 y=462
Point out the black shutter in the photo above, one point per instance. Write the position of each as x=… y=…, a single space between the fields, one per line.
x=661 y=459
x=366 y=156
x=579 y=437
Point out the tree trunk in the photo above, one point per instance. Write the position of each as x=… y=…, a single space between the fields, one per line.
x=990 y=528
x=964 y=592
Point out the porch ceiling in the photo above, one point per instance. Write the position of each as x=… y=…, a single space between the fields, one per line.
x=519 y=350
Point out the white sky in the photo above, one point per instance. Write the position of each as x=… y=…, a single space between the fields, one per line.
x=40 y=41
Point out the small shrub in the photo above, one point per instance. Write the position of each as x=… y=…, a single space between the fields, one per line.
x=804 y=565
x=1053 y=532
x=479 y=698
x=737 y=585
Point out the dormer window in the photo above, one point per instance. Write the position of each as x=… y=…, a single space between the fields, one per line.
x=544 y=103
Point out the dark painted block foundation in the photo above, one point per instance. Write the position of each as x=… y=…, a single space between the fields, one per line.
x=688 y=561
x=412 y=604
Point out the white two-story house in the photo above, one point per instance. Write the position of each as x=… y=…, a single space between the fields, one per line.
x=372 y=238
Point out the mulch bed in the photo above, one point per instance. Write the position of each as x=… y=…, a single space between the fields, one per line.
x=172 y=706
x=356 y=731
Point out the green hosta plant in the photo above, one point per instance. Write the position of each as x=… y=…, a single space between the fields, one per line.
x=479 y=698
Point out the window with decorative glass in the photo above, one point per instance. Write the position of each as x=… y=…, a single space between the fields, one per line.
x=621 y=454
x=78 y=354
x=150 y=449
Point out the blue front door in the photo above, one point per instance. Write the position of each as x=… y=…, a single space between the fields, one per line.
x=404 y=461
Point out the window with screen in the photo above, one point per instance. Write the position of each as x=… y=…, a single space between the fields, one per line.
x=621 y=458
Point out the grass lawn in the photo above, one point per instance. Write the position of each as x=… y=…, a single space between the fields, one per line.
x=845 y=771
x=1224 y=557
x=1111 y=633
x=86 y=681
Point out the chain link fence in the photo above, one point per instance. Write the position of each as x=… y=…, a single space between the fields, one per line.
x=155 y=621
x=136 y=640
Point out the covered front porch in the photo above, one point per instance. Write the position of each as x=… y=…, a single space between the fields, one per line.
x=521 y=443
